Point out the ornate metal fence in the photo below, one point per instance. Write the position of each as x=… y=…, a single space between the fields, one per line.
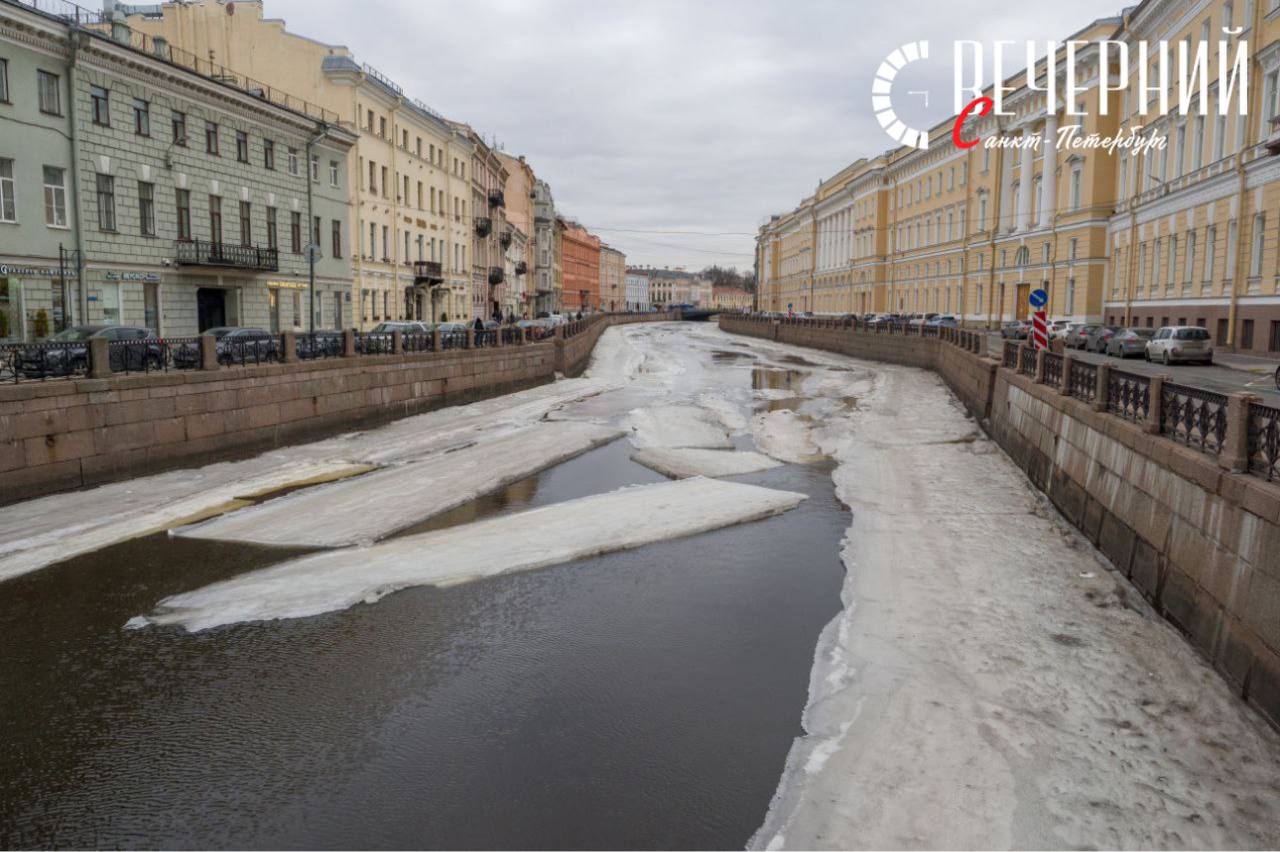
x=1082 y=381
x=1053 y=369
x=1197 y=418
x=1264 y=441
x=1129 y=395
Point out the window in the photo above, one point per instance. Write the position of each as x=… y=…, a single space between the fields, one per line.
x=246 y=223
x=269 y=155
x=4 y=81
x=147 y=208
x=101 y=105
x=180 y=128
x=1210 y=247
x=50 y=93
x=106 y=203
x=1173 y=260
x=273 y=238
x=1246 y=334
x=373 y=177
x=8 y=202
x=1071 y=297
x=333 y=173
x=141 y=117
x=1191 y=257
x=293 y=161
x=211 y=138
x=215 y=220
x=382 y=126
x=315 y=232
x=295 y=232
x=337 y=238
x=184 y=214
x=315 y=168
x=1075 y=189
x=1274 y=344
x=1259 y=244
x=242 y=146
x=55 y=197
x=386 y=243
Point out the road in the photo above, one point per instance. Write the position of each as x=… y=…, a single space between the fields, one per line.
x=1251 y=375
x=862 y=629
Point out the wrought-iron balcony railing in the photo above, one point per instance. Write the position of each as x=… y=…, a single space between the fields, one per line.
x=484 y=226
x=428 y=272
x=497 y=198
x=205 y=253
x=521 y=267
x=505 y=239
x=496 y=275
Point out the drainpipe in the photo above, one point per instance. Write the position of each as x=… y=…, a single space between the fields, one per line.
x=1250 y=129
x=75 y=38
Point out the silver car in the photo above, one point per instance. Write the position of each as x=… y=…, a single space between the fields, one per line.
x=1180 y=343
x=1130 y=342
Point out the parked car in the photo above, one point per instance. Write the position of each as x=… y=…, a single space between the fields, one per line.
x=1078 y=338
x=69 y=355
x=322 y=344
x=1017 y=330
x=233 y=346
x=1130 y=342
x=946 y=321
x=1180 y=343
x=405 y=327
x=1099 y=338
x=1064 y=331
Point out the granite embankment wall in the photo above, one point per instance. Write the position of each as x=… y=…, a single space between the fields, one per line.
x=1197 y=536
x=65 y=434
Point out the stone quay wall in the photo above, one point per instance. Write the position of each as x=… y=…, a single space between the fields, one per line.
x=65 y=434
x=1193 y=531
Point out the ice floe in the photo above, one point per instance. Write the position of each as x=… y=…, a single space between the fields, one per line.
x=677 y=426
x=371 y=507
x=562 y=532
x=685 y=463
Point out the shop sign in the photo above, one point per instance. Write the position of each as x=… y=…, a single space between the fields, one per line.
x=132 y=276
x=28 y=272
x=288 y=285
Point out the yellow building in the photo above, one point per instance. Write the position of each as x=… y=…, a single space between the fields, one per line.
x=416 y=201
x=1179 y=235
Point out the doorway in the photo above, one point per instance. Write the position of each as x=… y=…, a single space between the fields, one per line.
x=1024 y=302
x=211 y=308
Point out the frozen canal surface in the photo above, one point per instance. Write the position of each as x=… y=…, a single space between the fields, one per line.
x=918 y=654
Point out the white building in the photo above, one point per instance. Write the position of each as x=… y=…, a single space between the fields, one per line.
x=637 y=290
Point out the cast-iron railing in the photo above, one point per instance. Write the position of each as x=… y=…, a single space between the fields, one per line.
x=419 y=341
x=1010 y=353
x=1028 y=365
x=1082 y=381
x=1129 y=396
x=40 y=361
x=1264 y=441
x=1195 y=417
x=1053 y=369
x=321 y=344
x=205 y=253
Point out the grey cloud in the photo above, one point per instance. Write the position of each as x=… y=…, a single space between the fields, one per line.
x=701 y=116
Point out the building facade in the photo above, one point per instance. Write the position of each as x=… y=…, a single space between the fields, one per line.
x=411 y=235
x=581 y=268
x=613 y=275
x=186 y=201
x=637 y=297
x=731 y=299
x=548 y=285
x=520 y=197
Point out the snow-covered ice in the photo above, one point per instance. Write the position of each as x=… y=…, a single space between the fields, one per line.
x=784 y=435
x=369 y=508
x=550 y=535
x=684 y=463
x=678 y=426
x=51 y=529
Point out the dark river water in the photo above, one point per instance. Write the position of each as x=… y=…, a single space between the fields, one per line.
x=643 y=699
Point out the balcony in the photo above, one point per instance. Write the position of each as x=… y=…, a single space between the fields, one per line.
x=1273 y=141
x=496 y=275
x=497 y=198
x=203 y=253
x=429 y=272
x=484 y=226
x=521 y=267
x=505 y=239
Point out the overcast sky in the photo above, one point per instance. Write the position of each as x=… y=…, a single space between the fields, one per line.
x=690 y=116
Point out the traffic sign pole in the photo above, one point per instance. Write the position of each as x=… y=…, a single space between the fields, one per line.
x=1040 y=319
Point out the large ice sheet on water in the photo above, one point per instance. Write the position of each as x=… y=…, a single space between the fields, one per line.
x=40 y=532
x=684 y=463
x=677 y=426
x=372 y=507
x=550 y=535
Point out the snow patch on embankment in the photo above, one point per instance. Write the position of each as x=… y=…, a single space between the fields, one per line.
x=990 y=683
x=551 y=535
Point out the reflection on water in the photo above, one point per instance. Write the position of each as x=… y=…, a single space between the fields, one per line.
x=643 y=699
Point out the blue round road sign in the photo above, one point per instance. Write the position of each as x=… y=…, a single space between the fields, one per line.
x=1039 y=298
